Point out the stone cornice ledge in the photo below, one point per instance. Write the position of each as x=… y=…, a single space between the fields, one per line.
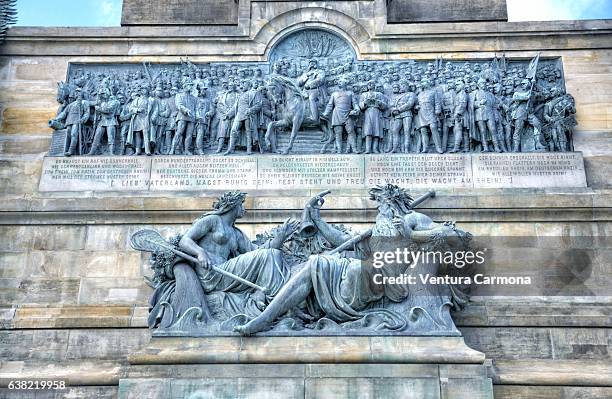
x=132 y=32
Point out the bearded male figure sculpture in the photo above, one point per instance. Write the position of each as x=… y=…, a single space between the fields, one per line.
x=295 y=283
x=343 y=291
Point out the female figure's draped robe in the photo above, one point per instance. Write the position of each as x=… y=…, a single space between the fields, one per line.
x=194 y=286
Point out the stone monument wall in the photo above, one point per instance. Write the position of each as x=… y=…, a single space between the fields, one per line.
x=72 y=291
x=192 y=12
x=407 y=11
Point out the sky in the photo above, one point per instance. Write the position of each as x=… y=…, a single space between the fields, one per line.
x=108 y=12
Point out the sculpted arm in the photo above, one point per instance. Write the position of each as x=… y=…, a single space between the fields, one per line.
x=258 y=104
x=548 y=113
x=231 y=109
x=318 y=80
x=406 y=104
x=125 y=114
x=213 y=109
x=331 y=234
x=408 y=226
x=521 y=96
x=362 y=104
x=62 y=115
x=104 y=108
x=355 y=104
x=165 y=110
x=86 y=112
x=330 y=106
x=382 y=102
x=438 y=104
x=180 y=105
x=189 y=244
x=302 y=80
x=412 y=99
x=461 y=105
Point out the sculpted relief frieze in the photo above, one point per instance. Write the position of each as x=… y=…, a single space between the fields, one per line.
x=314 y=96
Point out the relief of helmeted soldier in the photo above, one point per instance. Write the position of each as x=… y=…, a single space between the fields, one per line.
x=106 y=110
x=429 y=107
x=73 y=116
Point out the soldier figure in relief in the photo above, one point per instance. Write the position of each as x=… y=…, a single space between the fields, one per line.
x=520 y=103
x=186 y=105
x=139 y=123
x=559 y=115
x=506 y=117
x=313 y=81
x=448 y=101
x=123 y=113
x=247 y=107
x=485 y=117
x=429 y=108
x=498 y=116
x=341 y=107
x=266 y=115
x=497 y=97
x=203 y=117
x=372 y=104
x=226 y=109
x=401 y=105
x=106 y=107
x=74 y=115
x=159 y=115
x=460 y=121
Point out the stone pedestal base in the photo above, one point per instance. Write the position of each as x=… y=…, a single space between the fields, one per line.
x=312 y=367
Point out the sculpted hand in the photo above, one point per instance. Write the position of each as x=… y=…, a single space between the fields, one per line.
x=289 y=227
x=315 y=212
x=203 y=261
x=398 y=223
